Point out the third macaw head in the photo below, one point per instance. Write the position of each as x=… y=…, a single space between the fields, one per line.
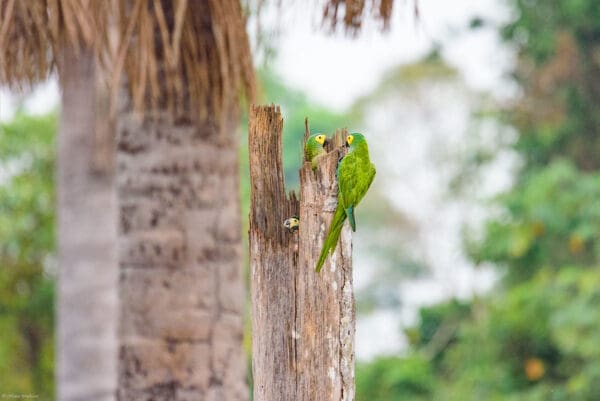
x=292 y=223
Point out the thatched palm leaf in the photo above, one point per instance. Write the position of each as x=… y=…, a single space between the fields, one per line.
x=191 y=57
x=354 y=13
x=202 y=49
x=31 y=32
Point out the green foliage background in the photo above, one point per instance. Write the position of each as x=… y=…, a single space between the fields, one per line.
x=26 y=255
x=536 y=336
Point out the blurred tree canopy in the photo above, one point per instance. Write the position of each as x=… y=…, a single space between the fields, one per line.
x=26 y=255
x=535 y=337
x=558 y=48
x=550 y=220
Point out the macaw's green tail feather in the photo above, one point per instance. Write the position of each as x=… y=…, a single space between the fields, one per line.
x=350 y=215
x=333 y=235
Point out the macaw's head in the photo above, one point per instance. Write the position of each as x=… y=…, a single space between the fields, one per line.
x=292 y=223
x=319 y=139
x=354 y=139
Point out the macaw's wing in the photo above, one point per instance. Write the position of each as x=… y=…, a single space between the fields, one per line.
x=348 y=181
x=346 y=174
x=364 y=178
x=355 y=185
x=309 y=151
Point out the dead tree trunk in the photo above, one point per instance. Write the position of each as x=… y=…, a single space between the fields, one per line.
x=302 y=321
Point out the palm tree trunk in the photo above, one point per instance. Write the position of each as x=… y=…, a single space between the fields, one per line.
x=87 y=233
x=180 y=284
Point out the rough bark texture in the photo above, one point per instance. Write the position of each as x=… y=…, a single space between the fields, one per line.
x=87 y=248
x=325 y=320
x=180 y=261
x=273 y=261
x=302 y=321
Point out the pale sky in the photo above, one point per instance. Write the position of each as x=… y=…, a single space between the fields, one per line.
x=335 y=70
x=42 y=99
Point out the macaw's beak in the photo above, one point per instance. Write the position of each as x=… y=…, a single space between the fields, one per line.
x=346 y=144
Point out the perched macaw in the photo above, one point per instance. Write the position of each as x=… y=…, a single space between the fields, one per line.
x=355 y=173
x=292 y=223
x=313 y=149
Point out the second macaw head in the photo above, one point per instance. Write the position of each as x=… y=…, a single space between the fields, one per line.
x=321 y=139
x=354 y=139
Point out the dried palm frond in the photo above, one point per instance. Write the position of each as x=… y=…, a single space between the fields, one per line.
x=354 y=13
x=192 y=58
x=31 y=32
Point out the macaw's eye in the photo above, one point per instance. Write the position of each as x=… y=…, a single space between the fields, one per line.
x=321 y=139
x=349 y=139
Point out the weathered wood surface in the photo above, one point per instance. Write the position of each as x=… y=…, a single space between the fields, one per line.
x=272 y=261
x=302 y=321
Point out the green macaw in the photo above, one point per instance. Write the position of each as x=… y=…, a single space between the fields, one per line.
x=292 y=223
x=313 y=150
x=355 y=173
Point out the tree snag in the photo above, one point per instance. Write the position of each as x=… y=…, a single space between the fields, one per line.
x=303 y=322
